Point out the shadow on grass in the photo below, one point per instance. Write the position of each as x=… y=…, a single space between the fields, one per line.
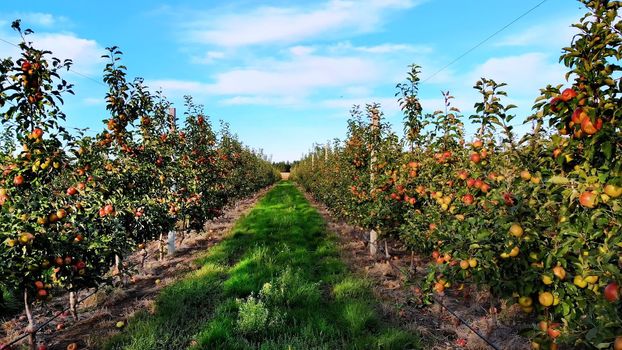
x=277 y=282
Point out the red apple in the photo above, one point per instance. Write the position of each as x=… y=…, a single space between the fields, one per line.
x=591 y=128
x=26 y=66
x=587 y=199
x=18 y=180
x=475 y=158
x=468 y=199
x=37 y=133
x=612 y=292
x=568 y=95
x=71 y=191
x=578 y=116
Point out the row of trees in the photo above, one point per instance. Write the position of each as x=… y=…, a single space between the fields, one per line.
x=72 y=206
x=534 y=219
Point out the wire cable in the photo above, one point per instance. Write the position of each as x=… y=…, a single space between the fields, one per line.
x=483 y=41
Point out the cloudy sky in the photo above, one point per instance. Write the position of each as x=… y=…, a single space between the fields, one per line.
x=285 y=73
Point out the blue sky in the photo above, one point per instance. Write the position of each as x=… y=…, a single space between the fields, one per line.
x=284 y=74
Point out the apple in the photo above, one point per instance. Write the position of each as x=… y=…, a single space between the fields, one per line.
x=543 y=326
x=525 y=301
x=39 y=285
x=108 y=209
x=71 y=191
x=81 y=186
x=26 y=238
x=18 y=180
x=578 y=116
x=61 y=213
x=464 y=264
x=475 y=158
x=591 y=279
x=545 y=299
x=477 y=144
x=80 y=265
x=516 y=230
x=612 y=292
x=52 y=218
x=435 y=254
x=559 y=272
x=525 y=175
x=556 y=152
x=568 y=95
x=42 y=347
x=470 y=182
x=588 y=199
x=468 y=199
x=591 y=128
x=617 y=344
x=552 y=332
x=463 y=175
x=26 y=66
x=472 y=262
x=42 y=293
x=579 y=281
x=484 y=187
x=613 y=191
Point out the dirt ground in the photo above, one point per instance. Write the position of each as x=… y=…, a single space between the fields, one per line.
x=394 y=281
x=99 y=313
x=395 y=285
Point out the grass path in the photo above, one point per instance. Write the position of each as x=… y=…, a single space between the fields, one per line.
x=277 y=282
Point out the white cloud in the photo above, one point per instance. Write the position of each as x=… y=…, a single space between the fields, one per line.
x=386 y=48
x=525 y=74
x=85 y=53
x=262 y=101
x=93 y=101
x=209 y=57
x=298 y=77
x=284 y=25
x=556 y=33
x=301 y=50
x=388 y=105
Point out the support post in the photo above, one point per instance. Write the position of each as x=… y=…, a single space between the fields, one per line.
x=171 y=242
x=375 y=120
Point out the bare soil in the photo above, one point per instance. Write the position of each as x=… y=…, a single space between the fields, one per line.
x=99 y=313
x=395 y=285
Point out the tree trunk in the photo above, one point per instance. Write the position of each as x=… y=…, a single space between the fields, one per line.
x=32 y=335
x=144 y=258
x=161 y=247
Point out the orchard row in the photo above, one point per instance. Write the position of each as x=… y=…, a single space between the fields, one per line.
x=73 y=205
x=534 y=219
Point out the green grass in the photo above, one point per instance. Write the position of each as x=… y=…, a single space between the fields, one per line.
x=276 y=282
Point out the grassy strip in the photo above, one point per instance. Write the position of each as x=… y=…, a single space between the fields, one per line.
x=276 y=283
